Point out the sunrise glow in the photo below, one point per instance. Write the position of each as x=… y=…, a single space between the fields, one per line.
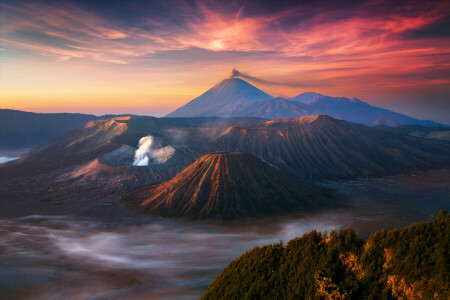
x=152 y=58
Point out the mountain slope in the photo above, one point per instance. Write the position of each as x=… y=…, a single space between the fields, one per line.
x=213 y=120
x=354 y=110
x=227 y=186
x=221 y=100
x=273 y=109
x=438 y=133
x=320 y=147
x=410 y=263
x=236 y=98
x=19 y=129
x=84 y=144
x=307 y=104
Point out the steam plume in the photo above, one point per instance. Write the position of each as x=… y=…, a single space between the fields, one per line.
x=147 y=153
x=141 y=156
x=236 y=73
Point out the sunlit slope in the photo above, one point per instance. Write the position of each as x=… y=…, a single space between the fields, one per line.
x=410 y=263
x=227 y=186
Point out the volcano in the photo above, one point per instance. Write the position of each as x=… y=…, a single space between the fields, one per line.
x=221 y=100
x=226 y=186
x=235 y=97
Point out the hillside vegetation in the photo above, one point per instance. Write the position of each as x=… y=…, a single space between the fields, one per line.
x=408 y=263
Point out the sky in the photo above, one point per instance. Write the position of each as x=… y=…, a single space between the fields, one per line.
x=150 y=57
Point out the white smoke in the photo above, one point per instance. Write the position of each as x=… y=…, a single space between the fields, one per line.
x=147 y=153
x=141 y=156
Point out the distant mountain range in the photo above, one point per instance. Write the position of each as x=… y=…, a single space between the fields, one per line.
x=22 y=130
x=235 y=97
x=226 y=186
x=232 y=100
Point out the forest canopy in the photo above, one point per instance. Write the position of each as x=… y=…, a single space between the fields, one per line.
x=408 y=263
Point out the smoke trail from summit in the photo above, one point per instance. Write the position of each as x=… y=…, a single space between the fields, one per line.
x=236 y=73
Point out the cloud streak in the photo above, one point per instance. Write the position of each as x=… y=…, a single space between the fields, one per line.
x=87 y=35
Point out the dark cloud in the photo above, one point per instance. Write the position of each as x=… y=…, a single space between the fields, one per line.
x=439 y=29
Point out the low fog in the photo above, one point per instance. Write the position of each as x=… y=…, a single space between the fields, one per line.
x=64 y=257
x=159 y=259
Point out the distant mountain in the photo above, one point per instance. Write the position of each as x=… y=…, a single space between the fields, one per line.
x=227 y=186
x=19 y=129
x=221 y=100
x=237 y=98
x=438 y=133
x=276 y=108
x=216 y=120
x=355 y=110
x=407 y=263
x=22 y=130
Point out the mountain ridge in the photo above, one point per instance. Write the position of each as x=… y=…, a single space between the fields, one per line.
x=321 y=147
x=224 y=185
x=235 y=97
x=309 y=148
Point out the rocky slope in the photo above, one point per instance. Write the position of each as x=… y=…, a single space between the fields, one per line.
x=114 y=171
x=320 y=147
x=227 y=186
